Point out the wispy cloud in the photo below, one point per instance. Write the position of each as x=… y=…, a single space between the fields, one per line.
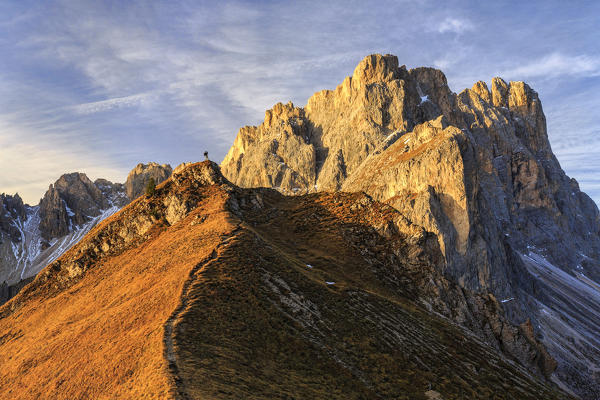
x=21 y=149
x=455 y=25
x=557 y=64
x=111 y=104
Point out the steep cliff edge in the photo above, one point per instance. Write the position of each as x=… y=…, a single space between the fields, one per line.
x=206 y=290
x=72 y=200
x=475 y=168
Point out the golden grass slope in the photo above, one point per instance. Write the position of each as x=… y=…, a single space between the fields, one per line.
x=102 y=337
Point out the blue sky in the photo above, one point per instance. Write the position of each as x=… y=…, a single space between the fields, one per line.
x=98 y=86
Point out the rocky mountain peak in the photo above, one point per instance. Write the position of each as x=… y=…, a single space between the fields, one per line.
x=80 y=193
x=11 y=209
x=376 y=68
x=202 y=173
x=475 y=169
x=482 y=90
x=71 y=201
x=55 y=221
x=12 y=205
x=524 y=109
x=139 y=176
x=282 y=112
x=316 y=148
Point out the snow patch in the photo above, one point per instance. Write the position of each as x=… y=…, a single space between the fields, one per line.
x=69 y=211
x=568 y=316
x=29 y=256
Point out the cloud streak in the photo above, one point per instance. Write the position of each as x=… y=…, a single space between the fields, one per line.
x=110 y=104
x=556 y=65
x=20 y=149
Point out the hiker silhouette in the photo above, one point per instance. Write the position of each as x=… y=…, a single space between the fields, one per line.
x=206 y=155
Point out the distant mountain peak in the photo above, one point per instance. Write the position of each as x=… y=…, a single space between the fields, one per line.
x=31 y=237
x=140 y=175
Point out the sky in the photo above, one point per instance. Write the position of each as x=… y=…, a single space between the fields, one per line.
x=99 y=86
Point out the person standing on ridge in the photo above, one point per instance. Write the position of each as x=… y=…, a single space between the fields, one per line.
x=206 y=155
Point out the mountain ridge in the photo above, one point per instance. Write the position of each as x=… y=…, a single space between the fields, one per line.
x=264 y=307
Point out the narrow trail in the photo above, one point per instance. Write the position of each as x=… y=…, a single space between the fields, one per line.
x=169 y=327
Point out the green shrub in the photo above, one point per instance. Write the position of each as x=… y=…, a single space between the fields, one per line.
x=151 y=187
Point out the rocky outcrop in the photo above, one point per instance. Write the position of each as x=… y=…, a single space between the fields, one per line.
x=139 y=176
x=7 y=291
x=72 y=200
x=11 y=209
x=114 y=193
x=55 y=221
x=475 y=169
x=315 y=148
x=181 y=166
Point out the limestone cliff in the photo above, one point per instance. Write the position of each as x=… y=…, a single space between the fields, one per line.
x=139 y=176
x=73 y=199
x=475 y=169
x=11 y=208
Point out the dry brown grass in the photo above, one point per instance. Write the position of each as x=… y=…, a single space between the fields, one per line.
x=103 y=337
x=392 y=157
x=238 y=338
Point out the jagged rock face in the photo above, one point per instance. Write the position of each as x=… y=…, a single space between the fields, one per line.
x=11 y=209
x=139 y=176
x=72 y=200
x=316 y=148
x=476 y=169
x=115 y=193
x=55 y=220
x=38 y=235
